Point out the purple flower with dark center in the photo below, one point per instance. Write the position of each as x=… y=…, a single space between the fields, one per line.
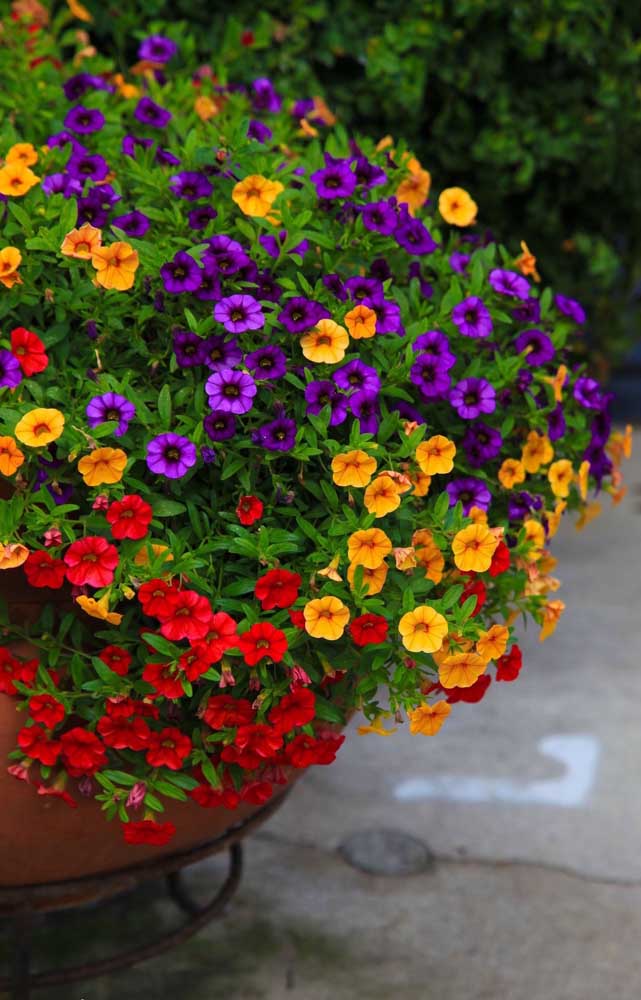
x=412 y=235
x=600 y=428
x=360 y=288
x=210 y=288
x=239 y=313
x=219 y=353
x=473 y=396
x=191 y=185
x=91 y=329
x=430 y=375
x=436 y=344
x=519 y=506
x=406 y=411
x=150 y=113
x=267 y=362
x=481 y=443
x=89 y=210
x=300 y=314
x=157 y=48
x=459 y=261
x=356 y=376
x=220 y=425
x=59 y=139
x=600 y=464
x=165 y=158
x=267 y=289
x=189 y=349
x=10 y=370
x=90 y=167
x=182 y=274
x=587 y=393
x=528 y=312
x=231 y=391
x=259 y=131
x=134 y=223
x=265 y=97
x=83 y=120
x=208 y=455
x=61 y=184
x=171 y=455
x=509 y=283
x=335 y=180
x=469 y=491
x=364 y=406
x=523 y=379
x=274 y=244
x=323 y=393
x=380 y=269
x=225 y=254
x=472 y=318
x=199 y=218
x=77 y=85
x=388 y=315
x=277 y=435
x=379 y=217
x=368 y=175
x=104 y=195
x=556 y=423
x=334 y=284
x=110 y=406
x=302 y=108
x=536 y=345
x=131 y=142
x=570 y=308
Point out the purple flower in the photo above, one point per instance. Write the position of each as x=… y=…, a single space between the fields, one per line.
x=59 y=139
x=600 y=464
x=274 y=244
x=300 y=314
x=110 y=406
x=473 y=396
x=131 y=142
x=413 y=236
x=388 y=315
x=61 y=184
x=335 y=180
x=459 y=261
x=199 y=218
x=556 y=423
x=267 y=362
x=519 y=505
x=79 y=84
x=208 y=455
x=191 y=185
x=334 y=284
x=266 y=287
x=86 y=166
x=182 y=274
x=189 y=349
x=150 y=113
x=537 y=346
x=231 y=391
x=165 y=158
x=587 y=393
x=414 y=271
x=379 y=217
x=10 y=370
x=429 y=374
x=600 y=428
x=259 y=131
x=219 y=353
x=360 y=288
x=472 y=318
x=571 y=308
x=277 y=435
x=380 y=269
x=481 y=443
x=356 y=376
x=436 y=344
x=528 y=312
x=406 y=411
x=509 y=283
x=469 y=491
x=171 y=455
x=323 y=393
x=265 y=97
x=225 y=254
x=368 y=175
x=157 y=48
x=220 y=425
x=83 y=120
x=364 y=406
x=134 y=223
x=239 y=313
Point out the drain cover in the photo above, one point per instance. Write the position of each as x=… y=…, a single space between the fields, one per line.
x=386 y=852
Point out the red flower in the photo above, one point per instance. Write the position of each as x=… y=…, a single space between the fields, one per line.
x=221 y=634
x=253 y=745
x=58 y=793
x=368 y=630
x=189 y=618
x=92 y=561
x=147 y=831
x=500 y=560
x=303 y=751
x=223 y=710
x=29 y=351
x=295 y=709
x=12 y=669
x=155 y=597
x=129 y=517
x=509 y=665
x=277 y=589
x=124 y=734
x=212 y=798
x=256 y=792
x=247 y=38
x=169 y=748
x=116 y=658
x=472 y=694
x=43 y=570
x=196 y=661
x=249 y=509
x=38 y=745
x=82 y=752
x=262 y=639
x=46 y=710
x=165 y=679
x=297 y=618
x=476 y=588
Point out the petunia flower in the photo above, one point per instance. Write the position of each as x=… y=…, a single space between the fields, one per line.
x=110 y=406
x=103 y=465
x=171 y=455
x=239 y=313
x=116 y=266
x=457 y=207
x=423 y=630
x=231 y=391
x=326 y=618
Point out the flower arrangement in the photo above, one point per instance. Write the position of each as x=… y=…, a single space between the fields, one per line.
x=281 y=429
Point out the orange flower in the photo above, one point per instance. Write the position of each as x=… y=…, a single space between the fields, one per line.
x=321 y=110
x=79 y=10
x=423 y=536
x=551 y=615
x=526 y=263
x=99 y=609
x=16 y=179
x=10 y=260
x=142 y=557
x=493 y=643
x=511 y=472
x=373 y=579
x=421 y=484
x=553 y=518
x=426 y=720
x=560 y=476
x=13 y=554
x=22 y=152
x=557 y=382
x=423 y=629
x=326 y=343
x=255 y=195
x=461 y=670
x=361 y=322
x=457 y=207
x=116 y=266
x=11 y=458
x=473 y=548
x=404 y=558
x=381 y=496
x=537 y=451
x=205 y=108
x=82 y=243
x=583 y=478
x=39 y=427
x=620 y=445
x=535 y=536
x=325 y=618
x=376 y=727
x=353 y=468
x=432 y=560
x=103 y=466
x=126 y=90
x=413 y=191
x=368 y=547
x=436 y=455
x=478 y=515
x=588 y=513
x=331 y=570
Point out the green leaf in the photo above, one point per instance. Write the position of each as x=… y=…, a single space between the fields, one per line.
x=161 y=645
x=164 y=407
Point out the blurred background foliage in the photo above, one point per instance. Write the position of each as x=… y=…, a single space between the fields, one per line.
x=534 y=106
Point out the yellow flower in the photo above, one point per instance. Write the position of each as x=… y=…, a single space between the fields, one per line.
x=405 y=557
x=353 y=468
x=423 y=629
x=582 y=479
x=493 y=643
x=526 y=263
x=361 y=322
x=142 y=555
x=16 y=179
x=461 y=670
x=99 y=609
x=560 y=476
x=116 y=266
x=473 y=548
x=22 y=152
x=325 y=618
x=478 y=515
x=432 y=560
x=368 y=547
x=13 y=554
x=423 y=536
x=126 y=90
x=331 y=570
x=413 y=191
x=457 y=207
x=535 y=536
x=39 y=427
x=557 y=382
x=322 y=111
x=373 y=579
x=402 y=483
x=205 y=108
x=436 y=455
x=11 y=458
x=553 y=518
x=426 y=720
x=511 y=472
x=82 y=243
x=103 y=466
x=588 y=513
x=551 y=614
x=537 y=451
x=255 y=195
x=381 y=496
x=10 y=260
x=421 y=484
x=79 y=10
x=326 y=343
x=376 y=727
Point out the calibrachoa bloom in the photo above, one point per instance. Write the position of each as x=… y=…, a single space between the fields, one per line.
x=326 y=618
x=103 y=465
x=116 y=265
x=171 y=455
x=423 y=630
x=40 y=427
x=92 y=561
